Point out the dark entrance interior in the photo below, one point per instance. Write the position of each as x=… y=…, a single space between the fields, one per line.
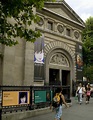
x=65 y=77
x=54 y=77
x=65 y=81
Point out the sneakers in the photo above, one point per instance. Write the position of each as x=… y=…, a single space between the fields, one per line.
x=80 y=103
x=87 y=102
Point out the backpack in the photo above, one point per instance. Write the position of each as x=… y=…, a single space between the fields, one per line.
x=56 y=100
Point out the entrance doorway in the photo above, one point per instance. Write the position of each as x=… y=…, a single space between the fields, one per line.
x=65 y=77
x=54 y=77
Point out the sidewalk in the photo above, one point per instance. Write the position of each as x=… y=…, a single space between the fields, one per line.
x=75 y=112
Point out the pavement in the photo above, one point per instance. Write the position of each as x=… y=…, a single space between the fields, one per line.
x=75 y=112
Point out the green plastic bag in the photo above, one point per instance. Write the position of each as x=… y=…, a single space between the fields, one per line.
x=76 y=97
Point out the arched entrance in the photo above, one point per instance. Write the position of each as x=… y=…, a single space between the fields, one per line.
x=59 y=69
x=59 y=64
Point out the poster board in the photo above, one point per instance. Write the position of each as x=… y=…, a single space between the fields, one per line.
x=11 y=98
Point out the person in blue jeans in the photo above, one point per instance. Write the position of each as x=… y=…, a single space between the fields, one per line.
x=59 y=108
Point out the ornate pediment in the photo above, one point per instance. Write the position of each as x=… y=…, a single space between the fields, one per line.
x=62 y=9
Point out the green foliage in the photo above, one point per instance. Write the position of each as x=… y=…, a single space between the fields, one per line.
x=88 y=31
x=88 y=72
x=21 y=11
x=87 y=36
x=88 y=42
x=88 y=51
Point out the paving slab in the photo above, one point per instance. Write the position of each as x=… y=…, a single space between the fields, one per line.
x=75 y=112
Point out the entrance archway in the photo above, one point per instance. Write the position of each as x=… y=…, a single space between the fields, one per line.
x=59 y=57
x=59 y=69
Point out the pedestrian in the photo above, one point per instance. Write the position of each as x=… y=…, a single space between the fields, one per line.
x=86 y=83
x=80 y=92
x=88 y=93
x=58 y=109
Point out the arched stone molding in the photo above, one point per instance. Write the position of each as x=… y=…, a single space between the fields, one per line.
x=58 y=44
x=63 y=48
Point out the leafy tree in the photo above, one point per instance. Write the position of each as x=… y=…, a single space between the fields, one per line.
x=88 y=72
x=88 y=31
x=88 y=42
x=88 y=51
x=88 y=48
x=21 y=11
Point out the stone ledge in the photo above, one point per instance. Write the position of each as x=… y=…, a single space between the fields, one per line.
x=26 y=114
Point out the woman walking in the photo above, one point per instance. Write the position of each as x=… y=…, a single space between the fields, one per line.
x=88 y=93
x=80 y=91
x=59 y=108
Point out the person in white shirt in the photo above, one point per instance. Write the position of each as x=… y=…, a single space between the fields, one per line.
x=80 y=91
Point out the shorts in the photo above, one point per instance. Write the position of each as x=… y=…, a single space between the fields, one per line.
x=58 y=112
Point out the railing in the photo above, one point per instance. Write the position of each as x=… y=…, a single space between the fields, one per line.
x=35 y=97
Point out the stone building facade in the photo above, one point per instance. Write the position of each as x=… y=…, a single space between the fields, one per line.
x=61 y=29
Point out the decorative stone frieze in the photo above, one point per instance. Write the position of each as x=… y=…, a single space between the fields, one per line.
x=59 y=59
x=76 y=34
x=60 y=28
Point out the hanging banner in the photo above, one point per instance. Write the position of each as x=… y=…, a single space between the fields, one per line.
x=79 y=62
x=39 y=59
x=15 y=98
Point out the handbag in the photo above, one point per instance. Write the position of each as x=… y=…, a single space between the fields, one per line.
x=88 y=93
x=77 y=91
x=76 y=97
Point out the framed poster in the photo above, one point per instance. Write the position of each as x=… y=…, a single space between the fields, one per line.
x=10 y=98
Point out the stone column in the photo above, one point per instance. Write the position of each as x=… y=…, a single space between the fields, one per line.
x=29 y=59
x=60 y=76
x=45 y=22
x=29 y=64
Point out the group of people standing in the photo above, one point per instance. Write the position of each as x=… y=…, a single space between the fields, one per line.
x=83 y=91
